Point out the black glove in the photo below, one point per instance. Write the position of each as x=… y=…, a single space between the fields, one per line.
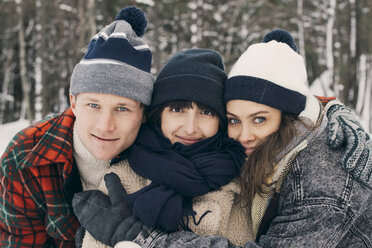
x=107 y=218
x=344 y=129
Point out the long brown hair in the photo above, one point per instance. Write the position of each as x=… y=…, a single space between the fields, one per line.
x=260 y=165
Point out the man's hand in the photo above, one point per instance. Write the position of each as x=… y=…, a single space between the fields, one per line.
x=344 y=129
x=107 y=218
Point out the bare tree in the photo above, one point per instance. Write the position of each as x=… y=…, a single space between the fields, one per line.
x=329 y=45
x=26 y=107
x=301 y=29
x=5 y=97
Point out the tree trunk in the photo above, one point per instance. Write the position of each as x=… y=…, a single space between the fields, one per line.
x=349 y=91
x=230 y=32
x=5 y=97
x=156 y=29
x=364 y=99
x=92 y=18
x=26 y=108
x=329 y=46
x=301 y=32
x=199 y=23
x=42 y=92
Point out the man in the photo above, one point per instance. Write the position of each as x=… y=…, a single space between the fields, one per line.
x=46 y=163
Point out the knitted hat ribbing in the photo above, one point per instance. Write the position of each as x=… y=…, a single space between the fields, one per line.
x=270 y=73
x=118 y=61
x=193 y=75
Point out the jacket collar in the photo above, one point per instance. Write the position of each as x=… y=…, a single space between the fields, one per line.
x=54 y=144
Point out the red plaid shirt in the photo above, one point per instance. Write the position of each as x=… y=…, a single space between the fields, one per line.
x=34 y=167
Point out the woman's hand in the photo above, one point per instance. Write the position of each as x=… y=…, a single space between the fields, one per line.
x=345 y=130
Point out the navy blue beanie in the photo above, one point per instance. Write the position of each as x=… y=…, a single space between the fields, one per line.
x=193 y=75
x=270 y=73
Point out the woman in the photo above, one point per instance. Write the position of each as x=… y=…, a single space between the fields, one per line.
x=290 y=168
x=293 y=184
x=183 y=152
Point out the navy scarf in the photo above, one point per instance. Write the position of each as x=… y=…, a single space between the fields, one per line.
x=179 y=173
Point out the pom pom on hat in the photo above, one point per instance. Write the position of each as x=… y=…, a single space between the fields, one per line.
x=135 y=17
x=280 y=36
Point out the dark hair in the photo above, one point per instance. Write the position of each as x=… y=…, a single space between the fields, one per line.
x=154 y=114
x=260 y=165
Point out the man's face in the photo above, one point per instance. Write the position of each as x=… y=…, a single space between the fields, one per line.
x=107 y=124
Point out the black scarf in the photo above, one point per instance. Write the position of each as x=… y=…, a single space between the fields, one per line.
x=179 y=173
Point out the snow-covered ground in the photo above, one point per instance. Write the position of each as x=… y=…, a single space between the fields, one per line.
x=7 y=131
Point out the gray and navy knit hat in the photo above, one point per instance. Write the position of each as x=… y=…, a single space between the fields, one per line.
x=192 y=75
x=118 y=61
x=270 y=73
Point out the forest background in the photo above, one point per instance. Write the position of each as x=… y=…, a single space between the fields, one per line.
x=42 y=40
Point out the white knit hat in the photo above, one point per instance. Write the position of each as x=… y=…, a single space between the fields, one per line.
x=271 y=73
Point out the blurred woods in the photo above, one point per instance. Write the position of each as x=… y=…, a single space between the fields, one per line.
x=42 y=40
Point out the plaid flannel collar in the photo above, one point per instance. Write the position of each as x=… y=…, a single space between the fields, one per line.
x=53 y=138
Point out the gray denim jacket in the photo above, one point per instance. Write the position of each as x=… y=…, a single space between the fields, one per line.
x=320 y=205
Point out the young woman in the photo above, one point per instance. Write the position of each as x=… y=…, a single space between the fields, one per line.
x=183 y=152
x=292 y=184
